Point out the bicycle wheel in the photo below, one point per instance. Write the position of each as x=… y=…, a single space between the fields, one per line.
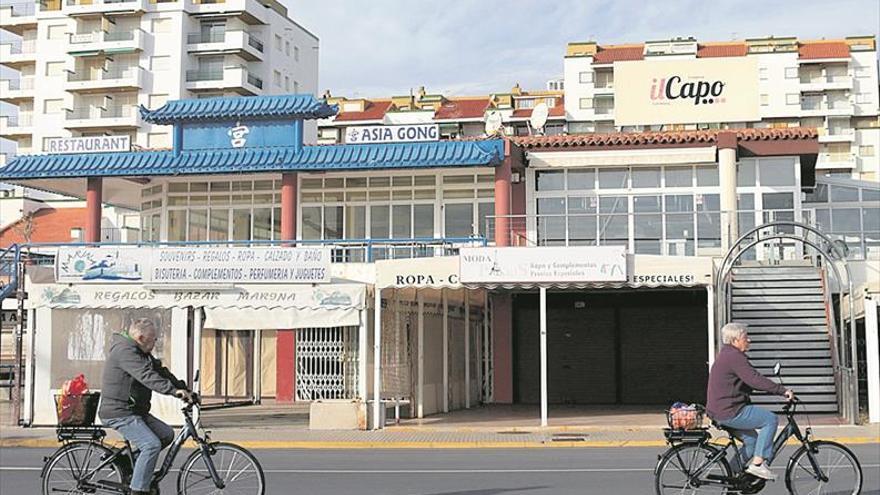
x=675 y=470
x=239 y=470
x=836 y=462
x=72 y=469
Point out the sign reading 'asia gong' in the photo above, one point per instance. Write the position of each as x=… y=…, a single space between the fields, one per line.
x=392 y=133
x=178 y=265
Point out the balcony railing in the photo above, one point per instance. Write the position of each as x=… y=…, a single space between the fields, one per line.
x=99 y=36
x=195 y=38
x=21 y=84
x=20 y=121
x=197 y=75
x=86 y=74
x=255 y=43
x=26 y=47
x=111 y=112
x=22 y=9
x=254 y=81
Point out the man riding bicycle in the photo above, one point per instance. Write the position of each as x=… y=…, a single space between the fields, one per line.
x=131 y=374
x=731 y=380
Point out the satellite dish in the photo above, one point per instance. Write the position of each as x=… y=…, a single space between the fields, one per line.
x=493 y=123
x=539 y=116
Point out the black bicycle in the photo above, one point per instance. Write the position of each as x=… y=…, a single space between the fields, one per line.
x=86 y=465
x=693 y=464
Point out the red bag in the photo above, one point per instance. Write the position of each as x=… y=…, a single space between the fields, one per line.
x=72 y=405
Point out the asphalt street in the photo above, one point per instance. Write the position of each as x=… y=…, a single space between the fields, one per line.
x=440 y=471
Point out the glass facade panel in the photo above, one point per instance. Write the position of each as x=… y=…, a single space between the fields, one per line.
x=263 y=223
x=550 y=180
x=333 y=222
x=843 y=194
x=679 y=176
x=679 y=224
x=646 y=177
x=484 y=210
x=745 y=173
x=423 y=221
x=219 y=228
x=401 y=221
x=776 y=172
x=241 y=224
x=198 y=225
x=647 y=223
x=458 y=220
x=311 y=223
x=708 y=221
x=551 y=221
x=613 y=220
x=356 y=222
x=177 y=225
x=582 y=220
x=380 y=224
x=845 y=220
x=707 y=176
x=582 y=179
x=613 y=178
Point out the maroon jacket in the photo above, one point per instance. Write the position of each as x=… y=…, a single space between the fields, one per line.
x=731 y=380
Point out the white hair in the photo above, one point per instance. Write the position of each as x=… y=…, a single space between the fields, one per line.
x=733 y=331
x=142 y=326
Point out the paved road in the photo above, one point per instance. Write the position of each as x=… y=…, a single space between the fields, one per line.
x=440 y=472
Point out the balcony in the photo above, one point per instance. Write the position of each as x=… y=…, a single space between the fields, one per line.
x=240 y=43
x=15 y=91
x=825 y=107
x=16 y=55
x=16 y=126
x=18 y=17
x=836 y=161
x=115 y=79
x=604 y=88
x=826 y=83
x=836 y=135
x=90 y=44
x=119 y=116
x=250 y=11
x=75 y=8
x=234 y=78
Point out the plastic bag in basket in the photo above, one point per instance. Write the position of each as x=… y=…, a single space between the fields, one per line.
x=71 y=407
x=683 y=416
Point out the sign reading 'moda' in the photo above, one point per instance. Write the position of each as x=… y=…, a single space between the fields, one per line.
x=708 y=90
x=392 y=133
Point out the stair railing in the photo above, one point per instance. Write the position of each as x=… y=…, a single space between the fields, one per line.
x=825 y=248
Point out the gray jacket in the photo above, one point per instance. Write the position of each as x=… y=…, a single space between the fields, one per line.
x=130 y=377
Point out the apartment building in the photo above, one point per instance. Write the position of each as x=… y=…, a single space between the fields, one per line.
x=831 y=85
x=84 y=66
x=457 y=117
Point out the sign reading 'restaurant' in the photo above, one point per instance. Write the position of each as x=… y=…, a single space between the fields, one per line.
x=517 y=265
x=704 y=90
x=392 y=133
x=173 y=265
x=94 y=144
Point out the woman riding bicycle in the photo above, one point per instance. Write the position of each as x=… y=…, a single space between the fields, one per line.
x=731 y=380
x=131 y=374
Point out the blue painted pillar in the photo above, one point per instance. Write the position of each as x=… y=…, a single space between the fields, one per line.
x=297 y=135
x=177 y=139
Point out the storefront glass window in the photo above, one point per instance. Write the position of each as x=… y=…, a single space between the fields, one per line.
x=646 y=177
x=648 y=223
x=484 y=211
x=613 y=220
x=380 y=227
x=708 y=221
x=550 y=180
x=679 y=176
x=176 y=225
x=551 y=221
x=582 y=220
x=333 y=222
x=198 y=225
x=241 y=224
x=707 y=176
x=582 y=179
x=745 y=173
x=311 y=223
x=613 y=178
x=356 y=222
x=401 y=221
x=842 y=194
x=423 y=221
x=679 y=225
x=219 y=229
x=776 y=172
x=263 y=223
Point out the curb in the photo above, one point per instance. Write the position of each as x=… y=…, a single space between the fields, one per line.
x=318 y=444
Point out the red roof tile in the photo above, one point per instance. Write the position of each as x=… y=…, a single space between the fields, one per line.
x=707 y=138
x=462 y=109
x=619 y=54
x=723 y=50
x=556 y=111
x=823 y=49
x=50 y=225
x=375 y=110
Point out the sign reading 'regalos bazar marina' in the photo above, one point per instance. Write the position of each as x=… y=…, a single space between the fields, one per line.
x=543 y=264
x=92 y=144
x=179 y=265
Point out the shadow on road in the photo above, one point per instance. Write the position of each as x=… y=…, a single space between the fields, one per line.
x=489 y=491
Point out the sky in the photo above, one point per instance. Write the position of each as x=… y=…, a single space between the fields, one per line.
x=373 y=48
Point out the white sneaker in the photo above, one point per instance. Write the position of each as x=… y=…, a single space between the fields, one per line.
x=761 y=471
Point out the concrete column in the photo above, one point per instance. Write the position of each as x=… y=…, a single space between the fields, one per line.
x=377 y=358
x=502 y=342
x=502 y=199
x=727 y=180
x=285 y=340
x=545 y=396
x=710 y=323
x=467 y=349
x=445 y=298
x=420 y=410
x=94 y=188
x=288 y=206
x=873 y=360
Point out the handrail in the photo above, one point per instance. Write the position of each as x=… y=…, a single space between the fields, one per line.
x=6 y=289
x=833 y=254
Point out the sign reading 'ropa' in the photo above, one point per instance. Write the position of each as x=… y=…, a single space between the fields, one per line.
x=392 y=133
x=516 y=265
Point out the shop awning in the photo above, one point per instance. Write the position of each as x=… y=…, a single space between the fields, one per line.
x=275 y=318
x=293 y=106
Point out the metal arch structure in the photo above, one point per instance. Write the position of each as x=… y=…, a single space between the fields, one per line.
x=848 y=374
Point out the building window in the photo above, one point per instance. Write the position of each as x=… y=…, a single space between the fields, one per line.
x=160 y=26
x=56 y=32
x=863 y=98
x=867 y=150
x=765 y=100
x=157 y=100
x=160 y=62
x=54 y=68
x=53 y=106
x=586 y=103
x=791 y=73
x=276 y=78
x=296 y=87
x=762 y=73
x=287 y=47
x=278 y=42
x=862 y=72
x=792 y=99
x=586 y=77
x=296 y=53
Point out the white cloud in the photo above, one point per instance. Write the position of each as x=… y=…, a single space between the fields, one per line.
x=386 y=47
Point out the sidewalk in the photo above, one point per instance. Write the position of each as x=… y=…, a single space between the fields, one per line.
x=396 y=437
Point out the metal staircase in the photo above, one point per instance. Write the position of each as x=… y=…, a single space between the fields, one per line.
x=787 y=309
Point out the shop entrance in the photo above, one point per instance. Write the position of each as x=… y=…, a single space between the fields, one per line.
x=626 y=347
x=234 y=364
